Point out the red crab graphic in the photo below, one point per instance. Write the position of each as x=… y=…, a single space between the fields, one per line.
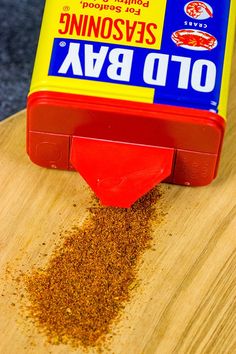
x=196 y=8
x=194 y=38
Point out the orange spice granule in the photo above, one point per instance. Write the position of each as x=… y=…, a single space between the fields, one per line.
x=87 y=281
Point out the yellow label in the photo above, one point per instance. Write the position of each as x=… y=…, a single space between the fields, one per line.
x=151 y=51
x=136 y=23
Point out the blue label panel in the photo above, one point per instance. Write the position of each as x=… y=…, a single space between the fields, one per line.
x=186 y=71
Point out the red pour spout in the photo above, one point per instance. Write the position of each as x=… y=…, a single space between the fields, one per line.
x=120 y=173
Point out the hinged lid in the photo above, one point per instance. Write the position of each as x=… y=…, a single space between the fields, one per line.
x=120 y=173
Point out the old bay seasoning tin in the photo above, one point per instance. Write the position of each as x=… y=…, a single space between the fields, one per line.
x=131 y=92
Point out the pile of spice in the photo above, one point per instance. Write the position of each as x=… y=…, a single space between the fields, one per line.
x=87 y=281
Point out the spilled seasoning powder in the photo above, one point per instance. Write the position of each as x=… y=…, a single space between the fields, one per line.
x=80 y=293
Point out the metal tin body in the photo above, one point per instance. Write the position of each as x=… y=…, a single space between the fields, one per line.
x=131 y=78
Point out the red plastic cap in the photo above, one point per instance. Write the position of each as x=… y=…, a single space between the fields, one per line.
x=120 y=173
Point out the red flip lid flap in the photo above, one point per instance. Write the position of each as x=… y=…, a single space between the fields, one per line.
x=120 y=173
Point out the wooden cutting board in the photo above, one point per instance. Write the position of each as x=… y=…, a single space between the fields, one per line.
x=186 y=301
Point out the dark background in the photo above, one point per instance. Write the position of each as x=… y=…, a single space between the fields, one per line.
x=20 y=22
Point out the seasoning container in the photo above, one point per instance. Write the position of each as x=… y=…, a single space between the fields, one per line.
x=131 y=92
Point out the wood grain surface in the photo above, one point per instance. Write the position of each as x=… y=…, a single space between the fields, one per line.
x=186 y=300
